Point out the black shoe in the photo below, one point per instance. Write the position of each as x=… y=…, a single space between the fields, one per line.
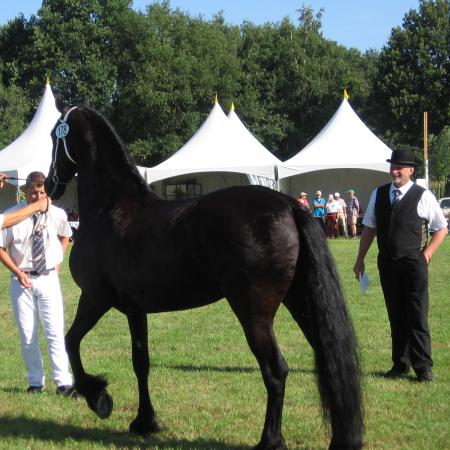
x=35 y=389
x=66 y=391
x=395 y=372
x=426 y=375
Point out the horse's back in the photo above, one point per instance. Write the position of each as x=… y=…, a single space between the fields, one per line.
x=246 y=237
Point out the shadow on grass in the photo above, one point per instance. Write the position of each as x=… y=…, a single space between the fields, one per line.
x=193 y=368
x=379 y=374
x=45 y=430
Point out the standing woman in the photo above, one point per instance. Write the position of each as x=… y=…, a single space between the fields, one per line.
x=331 y=218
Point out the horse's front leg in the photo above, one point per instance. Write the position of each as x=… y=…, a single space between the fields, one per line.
x=145 y=421
x=92 y=388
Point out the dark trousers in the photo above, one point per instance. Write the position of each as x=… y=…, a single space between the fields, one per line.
x=405 y=289
x=321 y=222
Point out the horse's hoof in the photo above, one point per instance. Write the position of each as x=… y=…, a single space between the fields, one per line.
x=103 y=405
x=142 y=428
x=278 y=445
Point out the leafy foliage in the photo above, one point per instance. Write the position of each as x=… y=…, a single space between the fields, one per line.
x=155 y=73
x=13 y=112
x=414 y=73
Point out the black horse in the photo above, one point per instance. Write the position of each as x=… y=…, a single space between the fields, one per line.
x=253 y=246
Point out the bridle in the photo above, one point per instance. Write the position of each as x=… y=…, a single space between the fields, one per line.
x=61 y=131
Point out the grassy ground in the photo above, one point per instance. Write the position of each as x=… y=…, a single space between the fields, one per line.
x=206 y=386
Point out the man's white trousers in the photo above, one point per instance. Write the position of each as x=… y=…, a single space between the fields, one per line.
x=44 y=301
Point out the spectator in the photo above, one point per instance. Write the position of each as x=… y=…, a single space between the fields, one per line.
x=352 y=212
x=303 y=200
x=319 y=210
x=342 y=214
x=331 y=220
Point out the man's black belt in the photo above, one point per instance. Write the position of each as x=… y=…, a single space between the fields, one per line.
x=36 y=274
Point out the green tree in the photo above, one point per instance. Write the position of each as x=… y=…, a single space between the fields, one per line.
x=184 y=63
x=414 y=73
x=14 y=109
x=440 y=160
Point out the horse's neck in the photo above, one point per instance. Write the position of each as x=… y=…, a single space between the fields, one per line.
x=103 y=189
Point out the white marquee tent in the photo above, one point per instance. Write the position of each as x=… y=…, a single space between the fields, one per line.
x=221 y=153
x=32 y=151
x=345 y=154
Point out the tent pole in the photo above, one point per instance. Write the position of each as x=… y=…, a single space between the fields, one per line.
x=425 y=145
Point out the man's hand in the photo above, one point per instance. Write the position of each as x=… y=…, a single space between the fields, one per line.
x=24 y=280
x=3 y=179
x=359 y=268
x=44 y=204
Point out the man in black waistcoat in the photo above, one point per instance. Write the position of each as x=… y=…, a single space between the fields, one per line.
x=399 y=214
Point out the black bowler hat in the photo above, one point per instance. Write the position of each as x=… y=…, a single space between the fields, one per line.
x=403 y=158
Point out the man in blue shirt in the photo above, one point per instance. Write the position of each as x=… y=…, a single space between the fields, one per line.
x=319 y=209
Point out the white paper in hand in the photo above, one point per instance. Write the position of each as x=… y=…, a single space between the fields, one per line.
x=364 y=282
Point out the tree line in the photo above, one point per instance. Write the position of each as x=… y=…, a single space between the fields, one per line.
x=154 y=74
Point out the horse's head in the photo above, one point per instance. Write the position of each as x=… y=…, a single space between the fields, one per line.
x=67 y=139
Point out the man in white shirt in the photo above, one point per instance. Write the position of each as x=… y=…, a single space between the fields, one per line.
x=342 y=214
x=399 y=214
x=33 y=251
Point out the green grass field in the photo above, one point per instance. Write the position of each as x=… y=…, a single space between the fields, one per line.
x=207 y=389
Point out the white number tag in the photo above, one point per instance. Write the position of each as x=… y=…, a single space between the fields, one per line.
x=62 y=130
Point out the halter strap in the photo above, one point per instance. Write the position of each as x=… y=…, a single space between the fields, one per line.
x=62 y=130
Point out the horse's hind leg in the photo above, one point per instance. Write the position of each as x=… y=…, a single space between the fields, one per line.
x=92 y=388
x=145 y=421
x=261 y=339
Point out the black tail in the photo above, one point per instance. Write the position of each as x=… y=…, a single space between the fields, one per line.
x=329 y=330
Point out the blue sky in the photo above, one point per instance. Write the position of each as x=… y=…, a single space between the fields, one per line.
x=363 y=24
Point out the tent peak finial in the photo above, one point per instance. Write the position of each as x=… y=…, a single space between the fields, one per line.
x=232 y=106
x=346 y=96
x=47 y=81
x=216 y=100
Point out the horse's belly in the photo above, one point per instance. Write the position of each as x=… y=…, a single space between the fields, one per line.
x=162 y=297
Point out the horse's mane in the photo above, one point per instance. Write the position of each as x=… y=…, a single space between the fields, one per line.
x=112 y=140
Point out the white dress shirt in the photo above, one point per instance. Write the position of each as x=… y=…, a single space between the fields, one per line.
x=428 y=208
x=18 y=239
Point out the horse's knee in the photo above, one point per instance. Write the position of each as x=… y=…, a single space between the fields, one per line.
x=275 y=379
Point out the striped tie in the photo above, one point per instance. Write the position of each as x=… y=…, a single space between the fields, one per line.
x=396 y=196
x=38 y=250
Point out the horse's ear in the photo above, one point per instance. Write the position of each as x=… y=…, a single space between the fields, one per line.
x=60 y=105
x=86 y=103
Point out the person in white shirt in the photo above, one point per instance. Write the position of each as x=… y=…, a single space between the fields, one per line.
x=331 y=217
x=33 y=251
x=399 y=214
x=342 y=214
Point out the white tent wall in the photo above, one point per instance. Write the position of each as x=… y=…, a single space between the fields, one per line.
x=362 y=181
x=209 y=182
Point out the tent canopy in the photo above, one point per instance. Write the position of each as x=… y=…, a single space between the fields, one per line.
x=31 y=151
x=221 y=144
x=344 y=143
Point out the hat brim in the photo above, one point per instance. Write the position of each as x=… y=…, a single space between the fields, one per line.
x=403 y=163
